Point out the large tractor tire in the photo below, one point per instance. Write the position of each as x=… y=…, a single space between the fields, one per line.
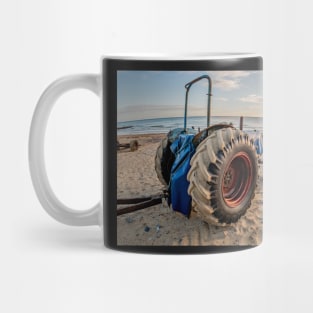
x=164 y=161
x=223 y=176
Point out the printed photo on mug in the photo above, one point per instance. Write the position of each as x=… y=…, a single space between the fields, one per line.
x=189 y=156
x=181 y=153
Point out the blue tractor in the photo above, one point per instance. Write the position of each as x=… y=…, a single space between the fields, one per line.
x=212 y=172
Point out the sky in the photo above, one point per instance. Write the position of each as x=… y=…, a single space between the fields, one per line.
x=158 y=94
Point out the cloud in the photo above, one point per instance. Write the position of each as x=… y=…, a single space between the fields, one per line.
x=228 y=80
x=252 y=99
x=232 y=74
x=220 y=99
x=225 y=80
x=226 y=84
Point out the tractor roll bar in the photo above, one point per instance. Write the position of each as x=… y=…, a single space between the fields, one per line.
x=187 y=86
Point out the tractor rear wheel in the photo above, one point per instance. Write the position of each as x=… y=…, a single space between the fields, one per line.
x=223 y=176
x=158 y=160
x=164 y=159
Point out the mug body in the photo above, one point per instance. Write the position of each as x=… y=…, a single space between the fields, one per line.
x=182 y=153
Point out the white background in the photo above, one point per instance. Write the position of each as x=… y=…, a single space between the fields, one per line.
x=49 y=267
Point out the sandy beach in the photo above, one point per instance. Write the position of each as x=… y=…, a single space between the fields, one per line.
x=159 y=224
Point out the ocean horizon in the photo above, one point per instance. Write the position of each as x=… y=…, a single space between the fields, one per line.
x=164 y=125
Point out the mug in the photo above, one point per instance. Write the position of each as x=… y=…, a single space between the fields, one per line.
x=182 y=153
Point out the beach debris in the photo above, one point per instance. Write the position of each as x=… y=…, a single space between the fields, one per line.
x=158 y=228
x=132 y=145
x=147 y=229
x=129 y=219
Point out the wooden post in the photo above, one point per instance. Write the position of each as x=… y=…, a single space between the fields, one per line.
x=241 y=123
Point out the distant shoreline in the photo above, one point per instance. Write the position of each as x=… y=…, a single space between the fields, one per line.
x=164 y=125
x=193 y=116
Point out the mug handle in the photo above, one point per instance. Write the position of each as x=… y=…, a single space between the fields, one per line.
x=45 y=194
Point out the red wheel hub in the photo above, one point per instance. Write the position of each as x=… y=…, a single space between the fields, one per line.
x=237 y=179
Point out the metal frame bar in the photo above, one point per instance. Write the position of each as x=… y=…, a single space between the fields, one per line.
x=138 y=203
x=187 y=86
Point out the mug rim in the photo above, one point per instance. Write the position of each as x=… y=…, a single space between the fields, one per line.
x=180 y=57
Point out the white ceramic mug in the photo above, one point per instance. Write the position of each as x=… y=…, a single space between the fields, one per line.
x=180 y=134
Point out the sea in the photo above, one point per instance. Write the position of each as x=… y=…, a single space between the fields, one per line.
x=252 y=125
